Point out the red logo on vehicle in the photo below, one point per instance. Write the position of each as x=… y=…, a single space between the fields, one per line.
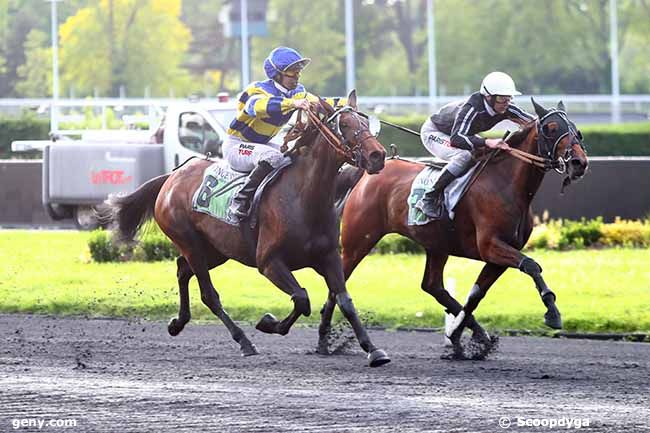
x=113 y=177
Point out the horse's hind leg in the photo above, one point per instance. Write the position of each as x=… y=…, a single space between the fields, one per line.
x=280 y=275
x=210 y=298
x=432 y=283
x=183 y=273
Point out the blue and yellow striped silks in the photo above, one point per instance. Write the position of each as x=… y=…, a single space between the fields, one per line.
x=263 y=109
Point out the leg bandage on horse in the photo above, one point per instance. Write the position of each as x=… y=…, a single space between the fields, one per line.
x=532 y=268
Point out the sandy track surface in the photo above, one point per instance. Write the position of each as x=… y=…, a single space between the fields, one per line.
x=131 y=376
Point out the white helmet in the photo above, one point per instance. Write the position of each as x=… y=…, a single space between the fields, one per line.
x=498 y=83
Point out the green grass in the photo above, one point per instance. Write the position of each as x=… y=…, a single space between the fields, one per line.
x=598 y=290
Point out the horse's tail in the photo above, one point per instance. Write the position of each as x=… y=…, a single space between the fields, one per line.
x=345 y=183
x=129 y=212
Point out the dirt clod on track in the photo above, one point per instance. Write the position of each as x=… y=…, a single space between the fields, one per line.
x=131 y=376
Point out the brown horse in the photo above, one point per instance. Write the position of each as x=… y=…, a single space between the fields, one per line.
x=297 y=225
x=492 y=221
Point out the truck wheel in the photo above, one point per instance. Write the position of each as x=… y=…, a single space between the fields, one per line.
x=57 y=211
x=84 y=218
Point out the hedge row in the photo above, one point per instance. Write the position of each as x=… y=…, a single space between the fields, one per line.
x=555 y=235
x=28 y=127
x=631 y=139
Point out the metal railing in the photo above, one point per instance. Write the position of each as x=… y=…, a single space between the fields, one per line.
x=151 y=109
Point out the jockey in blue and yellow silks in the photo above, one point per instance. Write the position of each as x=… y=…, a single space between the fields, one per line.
x=264 y=107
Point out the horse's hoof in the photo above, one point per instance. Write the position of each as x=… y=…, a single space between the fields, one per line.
x=323 y=348
x=377 y=358
x=248 y=349
x=553 y=319
x=268 y=324
x=174 y=327
x=455 y=353
x=481 y=336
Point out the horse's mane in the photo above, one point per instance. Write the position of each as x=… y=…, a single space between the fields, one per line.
x=308 y=135
x=518 y=137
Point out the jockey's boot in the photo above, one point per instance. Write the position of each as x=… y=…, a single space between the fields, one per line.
x=431 y=203
x=241 y=203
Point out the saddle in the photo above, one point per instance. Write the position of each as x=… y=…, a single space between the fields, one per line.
x=221 y=183
x=424 y=182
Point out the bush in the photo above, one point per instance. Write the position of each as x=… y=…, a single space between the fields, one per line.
x=153 y=246
x=156 y=246
x=545 y=235
x=626 y=233
x=102 y=248
x=396 y=244
x=580 y=234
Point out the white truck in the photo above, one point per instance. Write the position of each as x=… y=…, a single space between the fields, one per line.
x=78 y=174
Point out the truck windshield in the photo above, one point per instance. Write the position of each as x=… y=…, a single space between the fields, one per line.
x=223 y=117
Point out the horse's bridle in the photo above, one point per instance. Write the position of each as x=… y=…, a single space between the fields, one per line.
x=547 y=145
x=351 y=147
x=349 y=150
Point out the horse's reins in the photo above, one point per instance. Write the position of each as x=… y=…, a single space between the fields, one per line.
x=330 y=137
x=530 y=158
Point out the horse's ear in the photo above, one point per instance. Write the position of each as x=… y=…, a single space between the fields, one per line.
x=561 y=107
x=541 y=111
x=352 y=99
x=326 y=106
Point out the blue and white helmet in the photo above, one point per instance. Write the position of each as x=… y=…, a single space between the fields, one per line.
x=283 y=58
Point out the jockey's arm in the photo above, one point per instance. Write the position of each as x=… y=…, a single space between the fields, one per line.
x=519 y=116
x=334 y=102
x=460 y=136
x=267 y=106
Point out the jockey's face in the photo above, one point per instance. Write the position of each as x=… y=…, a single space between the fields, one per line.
x=289 y=78
x=500 y=103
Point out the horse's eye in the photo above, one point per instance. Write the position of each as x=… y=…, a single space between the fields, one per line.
x=343 y=124
x=579 y=135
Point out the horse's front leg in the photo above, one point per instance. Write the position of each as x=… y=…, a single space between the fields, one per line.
x=280 y=275
x=332 y=270
x=500 y=256
x=497 y=251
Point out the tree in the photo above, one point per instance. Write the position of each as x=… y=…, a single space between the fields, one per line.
x=320 y=37
x=35 y=75
x=130 y=44
x=212 y=58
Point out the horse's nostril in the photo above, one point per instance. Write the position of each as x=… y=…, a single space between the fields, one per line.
x=576 y=162
x=376 y=157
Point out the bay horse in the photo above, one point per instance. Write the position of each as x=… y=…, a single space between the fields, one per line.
x=297 y=224
x=492 y=221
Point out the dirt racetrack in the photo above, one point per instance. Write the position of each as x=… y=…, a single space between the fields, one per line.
x=131 y=376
